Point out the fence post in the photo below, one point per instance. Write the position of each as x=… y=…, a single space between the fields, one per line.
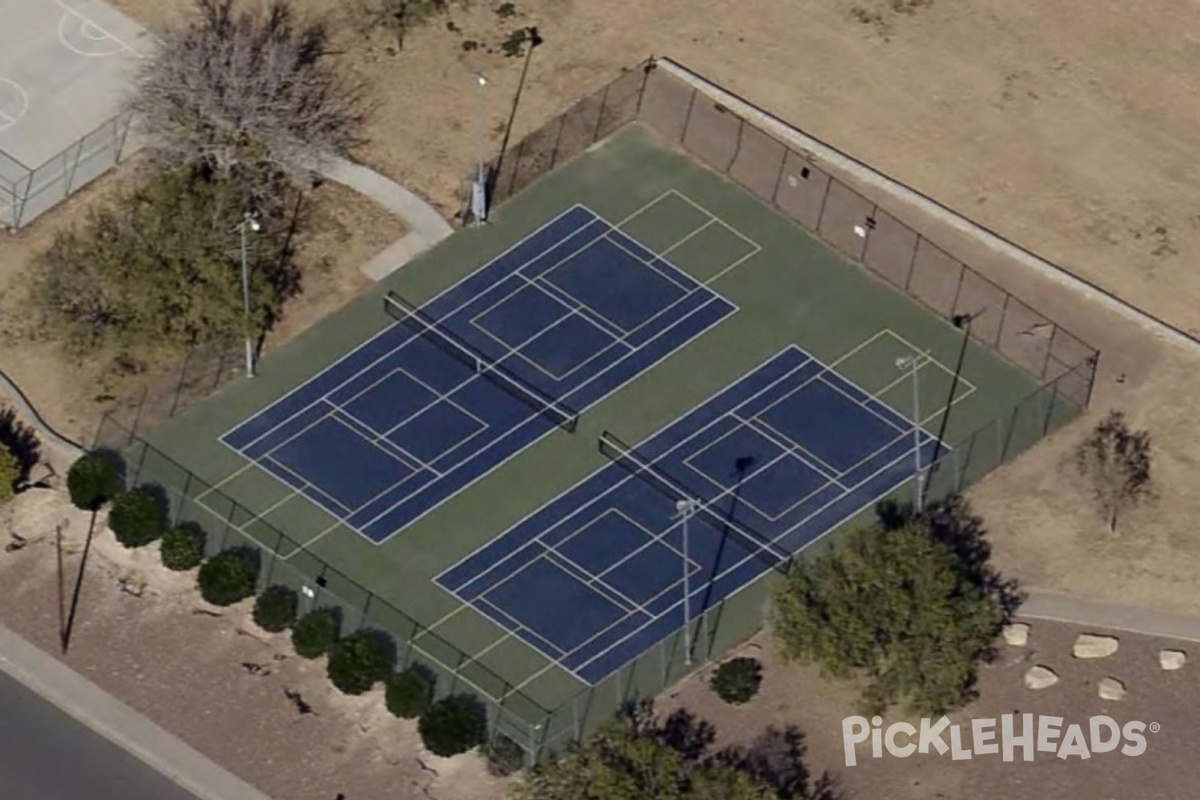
x=824 y=202
x=647 y=68
x=687 y=118
x=1049 y=350
x=737 y=148
x=912 y=263
x=600 y=116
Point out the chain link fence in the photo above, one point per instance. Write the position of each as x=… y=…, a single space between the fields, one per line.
x=790 y=182
x=27 y=192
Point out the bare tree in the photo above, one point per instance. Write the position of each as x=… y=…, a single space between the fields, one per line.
x=1116 y=461
x=247 y=94
x=397 y=17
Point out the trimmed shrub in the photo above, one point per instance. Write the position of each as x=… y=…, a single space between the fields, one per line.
x=137 y=517
x=453 y=725
x=275 y=609
x=92 y=481
x=182 y=548
x=737 y=680
x=357 y=663
x=228 y=577
x=410 y=693
x=10 y=473
x=315 y=633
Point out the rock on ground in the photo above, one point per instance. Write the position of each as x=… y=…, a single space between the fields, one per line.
x=1016 y=635
x=1172 y=659
x=1040 y=677
x=1092 y=646
x=1112 y=689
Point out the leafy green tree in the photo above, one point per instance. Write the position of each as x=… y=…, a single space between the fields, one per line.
x=358 y=662
x=137 y=517
x=912 y=610
x=315 y=633
x=410 y=692
x=160 y=269
x=182 y=548
x=453 y=725
x=737 y=680
x=228 y=577
x=92 y=481
x=275 y=609
x=643 y=756
x=10 y=473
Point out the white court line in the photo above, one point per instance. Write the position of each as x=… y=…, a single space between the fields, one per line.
x=7 y=119
x=528 y=237
x=748 y=583
x=390 y=327
x=778 y=437
x=614 y=390
x=627 y=478
x=88 y=21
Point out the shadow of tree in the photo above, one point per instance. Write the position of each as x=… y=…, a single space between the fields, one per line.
x=22 y=441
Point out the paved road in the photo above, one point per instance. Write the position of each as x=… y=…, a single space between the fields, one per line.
x=47 y=755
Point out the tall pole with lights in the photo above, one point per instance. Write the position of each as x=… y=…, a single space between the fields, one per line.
x=249 y=222
x=479 y=197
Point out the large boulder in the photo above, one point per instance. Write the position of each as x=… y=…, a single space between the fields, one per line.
x=1092 y=646
x=1172 y=659
x=1112 y=689
x=1040 y=677
x=1016 y=635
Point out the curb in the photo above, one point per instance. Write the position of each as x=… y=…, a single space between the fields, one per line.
x=102 y=713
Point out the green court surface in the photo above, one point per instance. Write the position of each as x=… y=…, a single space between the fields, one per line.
x=789 y=288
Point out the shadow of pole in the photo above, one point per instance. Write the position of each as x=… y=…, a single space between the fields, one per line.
x=533 y=39
x=87 y=547
x=963 y=322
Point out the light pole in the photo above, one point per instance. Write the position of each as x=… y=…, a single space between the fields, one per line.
x=913 y=364
x=479 y=188
x=249 y=221
x=683 y=511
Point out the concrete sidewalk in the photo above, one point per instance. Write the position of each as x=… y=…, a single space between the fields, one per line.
x=112 y=719
x=425 y=224
x=1058 y=607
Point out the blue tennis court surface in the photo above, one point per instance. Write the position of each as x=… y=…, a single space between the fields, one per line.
x=565 y=317
x=781 y=457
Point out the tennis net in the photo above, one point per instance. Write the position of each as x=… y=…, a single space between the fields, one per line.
x=409 y=315
x=638 y=465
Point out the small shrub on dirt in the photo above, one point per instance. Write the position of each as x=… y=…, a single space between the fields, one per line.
x=453 y=725
x=92 y=481
x=137 y=517
x=410 y=693
x=357 y=663
x=315 y=633
x=228 y=577
x=182 y=548
x=504 y=756
x=275 y=609
x=737 y=680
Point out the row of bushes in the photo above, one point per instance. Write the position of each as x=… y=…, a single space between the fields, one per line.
x=356 y=663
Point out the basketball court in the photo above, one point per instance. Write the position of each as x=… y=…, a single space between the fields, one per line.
x=65 y=66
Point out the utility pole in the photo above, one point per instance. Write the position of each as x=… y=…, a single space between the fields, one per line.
x=684 y=509
x=913 y=365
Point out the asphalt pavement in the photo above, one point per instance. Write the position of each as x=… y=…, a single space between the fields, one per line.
x=47 y=755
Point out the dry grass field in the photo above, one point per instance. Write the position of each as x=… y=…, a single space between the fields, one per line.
x=1068 y=128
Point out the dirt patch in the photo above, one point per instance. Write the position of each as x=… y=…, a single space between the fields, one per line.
x=208 y=674
x=799 y=696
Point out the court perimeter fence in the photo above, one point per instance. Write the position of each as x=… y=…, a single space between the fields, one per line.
x=27 y=192
x=1063 y=365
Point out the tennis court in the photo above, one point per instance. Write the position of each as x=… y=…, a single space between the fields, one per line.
x=454 y=388
x=596 y=577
